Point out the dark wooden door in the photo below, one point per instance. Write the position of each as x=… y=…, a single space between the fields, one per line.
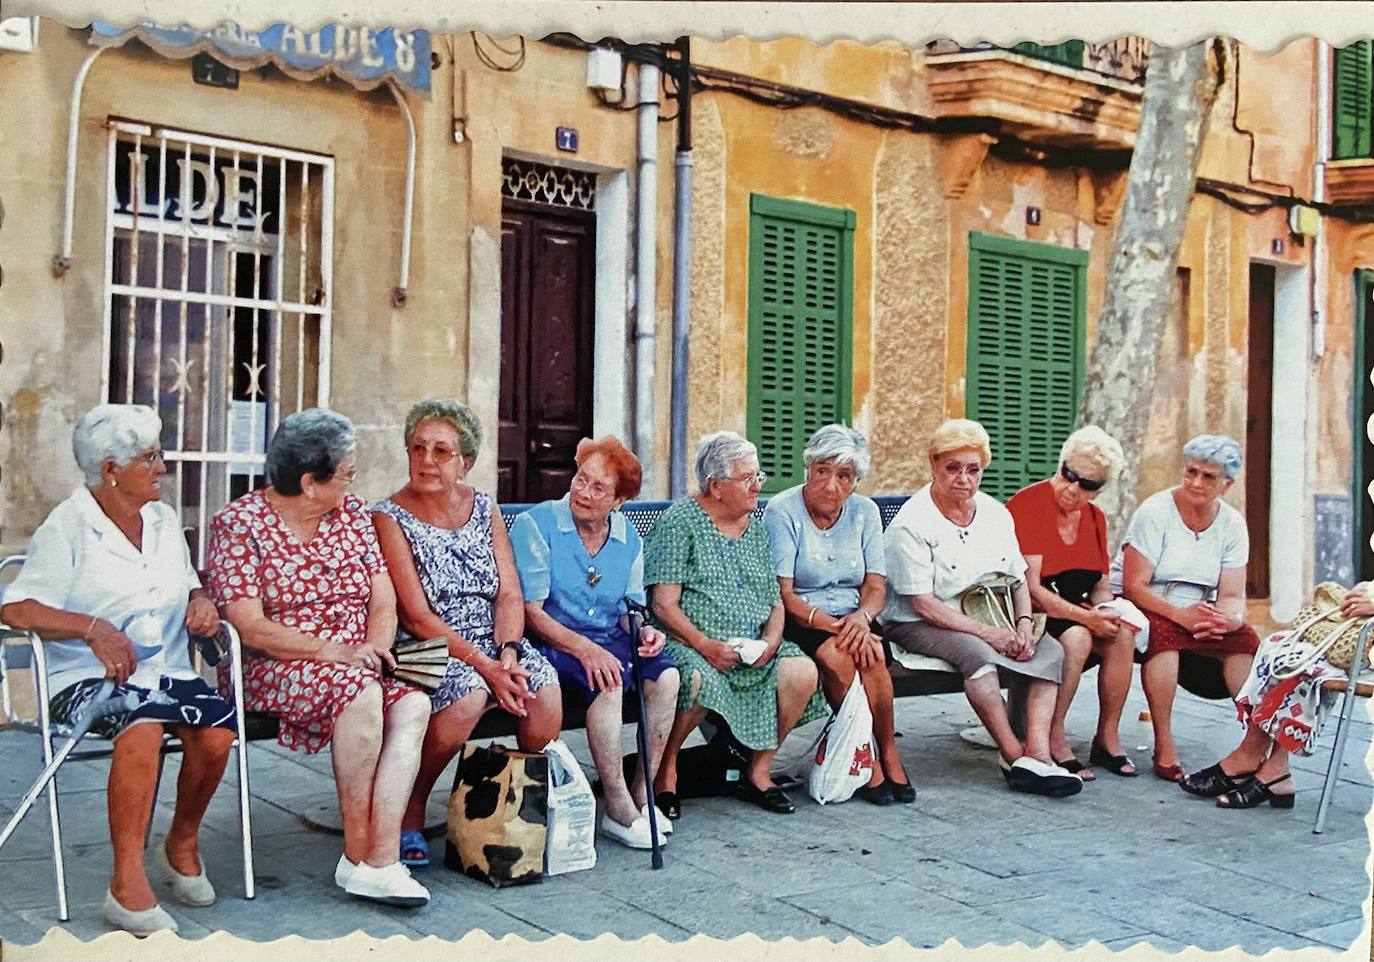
x=1259 y=428
x=548 y=264
x=1364 y=410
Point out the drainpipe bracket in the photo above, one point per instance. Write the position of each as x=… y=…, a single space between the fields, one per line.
x=398 y=297
x=60 y=265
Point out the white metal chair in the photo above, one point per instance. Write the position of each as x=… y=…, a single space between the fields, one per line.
x=50 y=734
x=1360 y=683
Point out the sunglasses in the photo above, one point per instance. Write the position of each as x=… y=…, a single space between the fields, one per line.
x=1071 y=476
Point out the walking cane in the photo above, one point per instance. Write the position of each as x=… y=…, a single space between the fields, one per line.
x=636 y=614
x=103 y=705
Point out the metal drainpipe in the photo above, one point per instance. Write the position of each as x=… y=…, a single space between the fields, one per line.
x=63 y=260
x=682 y=275
x=1323 y=151
x=646 y=250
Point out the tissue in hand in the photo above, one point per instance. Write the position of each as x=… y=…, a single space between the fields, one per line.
x=749 y=648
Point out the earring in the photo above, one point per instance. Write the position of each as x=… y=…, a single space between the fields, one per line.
x=114 y=482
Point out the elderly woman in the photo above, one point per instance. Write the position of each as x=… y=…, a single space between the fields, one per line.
x=1281 y=715
x=108 y=583
x=946 y=538
x=1064 y=538
x=827 y=545
x=297 y=570
x=579 y=561
x=716 y=595
x=451 y=563
x=1184 y=546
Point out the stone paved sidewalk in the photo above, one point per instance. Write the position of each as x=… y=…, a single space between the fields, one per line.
x=1126 y=861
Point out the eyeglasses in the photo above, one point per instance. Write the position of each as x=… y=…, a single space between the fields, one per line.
x=347 y=477
x=149 y=458
x=1072 y=476
x=441 y=453
x=749 y=479
x=1211 y=477
x=597 y=489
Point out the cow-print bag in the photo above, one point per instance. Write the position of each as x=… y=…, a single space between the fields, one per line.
x=497 y=815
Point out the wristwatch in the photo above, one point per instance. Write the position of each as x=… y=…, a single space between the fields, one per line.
x=509 y=644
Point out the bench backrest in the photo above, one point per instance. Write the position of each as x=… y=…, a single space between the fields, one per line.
x=643 y=514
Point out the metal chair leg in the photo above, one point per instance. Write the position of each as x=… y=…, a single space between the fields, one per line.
x=241 y=757
x=157 y=789
x=1333 y=767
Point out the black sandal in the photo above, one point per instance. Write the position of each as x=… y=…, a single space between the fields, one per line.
x=669 y=804
x=1116 y=764
x=1256 y=792
x=1213 y=781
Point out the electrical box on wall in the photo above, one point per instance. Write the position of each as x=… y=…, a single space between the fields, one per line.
x=1304 y=221
x=603 y=69
x=19 y=33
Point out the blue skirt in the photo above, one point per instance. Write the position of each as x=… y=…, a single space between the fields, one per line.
x=176 y=701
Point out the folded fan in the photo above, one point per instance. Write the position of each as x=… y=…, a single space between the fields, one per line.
x=422 y=662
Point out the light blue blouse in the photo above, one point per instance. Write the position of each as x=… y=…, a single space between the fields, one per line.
x=826 y=567
x=555 y=568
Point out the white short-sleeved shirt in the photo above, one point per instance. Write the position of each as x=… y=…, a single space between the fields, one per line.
x=929 y=554
x=1179 y=553
x=827 y=567
x=78 y=560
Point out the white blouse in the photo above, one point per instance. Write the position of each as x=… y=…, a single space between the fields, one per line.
x=78 y=560
x=929 y=554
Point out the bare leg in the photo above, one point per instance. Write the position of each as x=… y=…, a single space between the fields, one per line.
x=796 y=682
x=1276 y=766
x=354 y=750
x=877 y=682
x=1078 y=644
x=404 y=730
x=985 y=695
x=544 y=720
x=684 y=723
x=660 y=698
x=133 y=773
x=1235 y=669
x=1251 y=753
x=1113 y=685
x=1040 y=701
x=447 y=731
x=604 y=724
x=836 y=672
x=204 y=753
x=1159 y=678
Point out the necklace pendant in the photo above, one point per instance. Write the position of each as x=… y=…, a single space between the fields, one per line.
x=593 y=579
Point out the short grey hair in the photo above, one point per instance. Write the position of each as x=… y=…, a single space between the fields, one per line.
x=1095 y=444
x=314 y=442
x=839 y=443
x=1218 y=449
x=118 y=431
x=717 y=452
x=454 y=413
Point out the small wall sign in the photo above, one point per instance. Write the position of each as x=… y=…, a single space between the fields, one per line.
x=565 y=138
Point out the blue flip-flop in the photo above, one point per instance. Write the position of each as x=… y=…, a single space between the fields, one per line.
x=414 y=848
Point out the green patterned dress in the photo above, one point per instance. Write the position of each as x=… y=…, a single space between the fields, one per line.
x=728 y=591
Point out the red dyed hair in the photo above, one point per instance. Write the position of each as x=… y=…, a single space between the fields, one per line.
x=620 y=459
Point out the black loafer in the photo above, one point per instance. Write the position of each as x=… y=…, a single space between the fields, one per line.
x=903 y=794
x=773 y=799
x=669 y=804
x=879 y=794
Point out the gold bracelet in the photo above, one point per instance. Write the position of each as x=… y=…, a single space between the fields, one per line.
x=94 y=619
x=810 y=619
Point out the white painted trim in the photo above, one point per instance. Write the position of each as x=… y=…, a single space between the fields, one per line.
x=1290 y=503
x=610 y=414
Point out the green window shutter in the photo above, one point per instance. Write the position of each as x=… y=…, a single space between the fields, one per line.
x=1069 y=53
x=1025 y=354
x=1352 y=80
x=801 y=262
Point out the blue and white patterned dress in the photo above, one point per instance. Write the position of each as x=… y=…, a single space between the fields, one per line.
x=457 y=569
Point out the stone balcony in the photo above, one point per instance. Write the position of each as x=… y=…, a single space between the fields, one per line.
x=1084 y=96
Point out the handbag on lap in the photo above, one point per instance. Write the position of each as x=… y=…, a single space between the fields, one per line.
x=990 y=600
x=1319 y=631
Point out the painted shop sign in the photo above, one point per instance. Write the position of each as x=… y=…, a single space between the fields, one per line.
x=361 y=55
x=222 y=193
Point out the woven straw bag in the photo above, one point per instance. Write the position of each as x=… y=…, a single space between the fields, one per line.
x=990 y=601
x=1320 y=631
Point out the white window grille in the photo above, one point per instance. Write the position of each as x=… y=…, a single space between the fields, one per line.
x=217 y=306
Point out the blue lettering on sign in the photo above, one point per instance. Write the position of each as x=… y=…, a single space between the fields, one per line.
x=360 y=53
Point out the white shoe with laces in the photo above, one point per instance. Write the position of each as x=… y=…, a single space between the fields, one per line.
x=390 y=884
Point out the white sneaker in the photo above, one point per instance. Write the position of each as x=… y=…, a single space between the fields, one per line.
x=343 y=871
x=142 y=923
x=193 y=890
x=390 y=885
x=665 y=824
x=634 y=835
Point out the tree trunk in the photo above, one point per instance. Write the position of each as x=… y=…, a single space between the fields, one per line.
x=1180 y=88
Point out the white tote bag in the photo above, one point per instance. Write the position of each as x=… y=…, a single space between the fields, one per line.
x=843 y=754
x=571 y=842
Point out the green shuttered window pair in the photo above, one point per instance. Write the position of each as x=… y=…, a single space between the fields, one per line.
x=1025 y=354
x=801 y=281
x=1352 y=106
x=1069 y=53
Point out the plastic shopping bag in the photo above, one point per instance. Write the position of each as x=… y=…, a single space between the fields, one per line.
x=844 y=756
x=571 y=844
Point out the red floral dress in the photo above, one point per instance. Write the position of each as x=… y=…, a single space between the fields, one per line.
x=322 y=588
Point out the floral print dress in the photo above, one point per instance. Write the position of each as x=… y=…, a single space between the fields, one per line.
x=322 y=588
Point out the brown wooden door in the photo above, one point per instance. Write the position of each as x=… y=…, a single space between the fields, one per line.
x=1259 y=428
x=548 y=263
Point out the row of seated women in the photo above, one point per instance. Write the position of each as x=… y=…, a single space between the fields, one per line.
x=320 y=587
